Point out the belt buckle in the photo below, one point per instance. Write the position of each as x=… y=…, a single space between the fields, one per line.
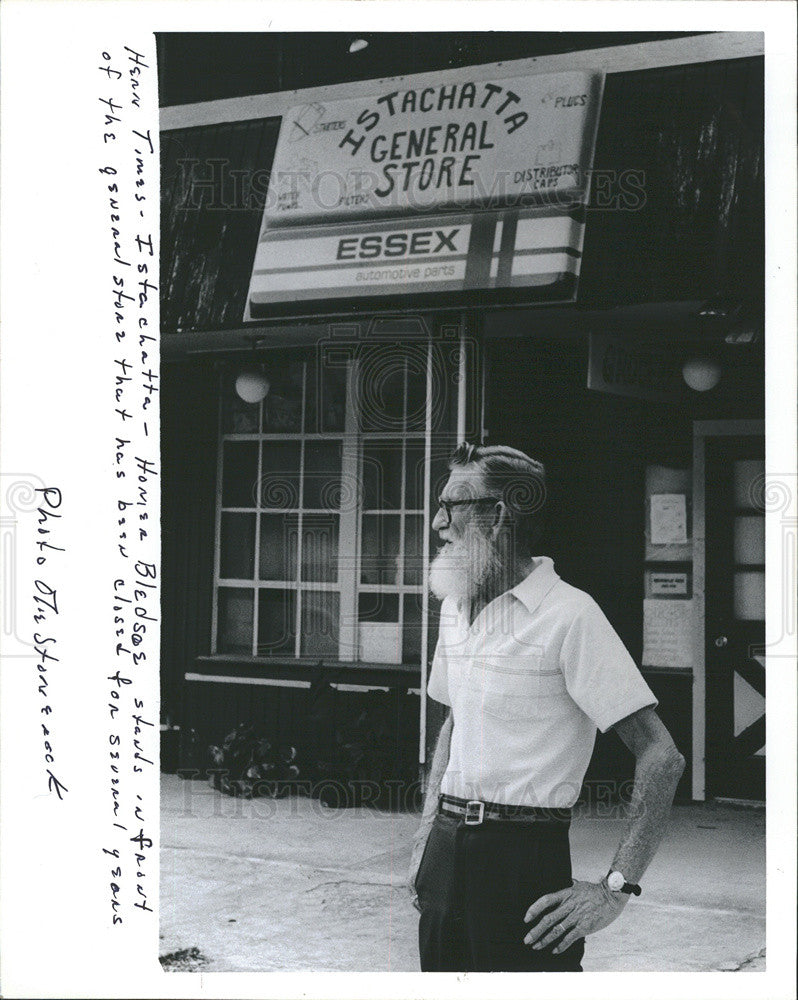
x=475 y=812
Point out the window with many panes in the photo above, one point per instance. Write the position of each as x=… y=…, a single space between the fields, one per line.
x=324 y=494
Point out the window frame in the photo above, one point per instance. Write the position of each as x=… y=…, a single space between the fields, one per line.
x=354 y=441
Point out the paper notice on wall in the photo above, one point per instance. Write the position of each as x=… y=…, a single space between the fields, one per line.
x=668 y=518
x=667 y=633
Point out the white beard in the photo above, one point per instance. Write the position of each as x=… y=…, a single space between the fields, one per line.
x=466 y=568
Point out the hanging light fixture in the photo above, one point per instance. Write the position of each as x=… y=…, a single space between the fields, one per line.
x=701 y=374
x=357 y=45
x=252 y=385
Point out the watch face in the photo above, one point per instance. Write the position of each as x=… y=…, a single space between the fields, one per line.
x=615 y=881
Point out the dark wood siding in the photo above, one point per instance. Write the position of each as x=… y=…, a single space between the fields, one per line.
x=677 y=207
x=213 y=190
x=189 y=405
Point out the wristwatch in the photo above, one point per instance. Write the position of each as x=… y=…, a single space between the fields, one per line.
x=617 y=883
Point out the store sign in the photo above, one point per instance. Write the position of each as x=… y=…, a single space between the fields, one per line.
x=435 y=147
x=440 y=254
x=476 y=184
x=623 y=368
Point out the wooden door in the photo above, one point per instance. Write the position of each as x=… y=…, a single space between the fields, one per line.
x=735 y=616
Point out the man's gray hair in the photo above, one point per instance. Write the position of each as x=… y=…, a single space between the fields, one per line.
x=515 y=478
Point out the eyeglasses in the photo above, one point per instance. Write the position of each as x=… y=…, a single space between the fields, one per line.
x=446 y=505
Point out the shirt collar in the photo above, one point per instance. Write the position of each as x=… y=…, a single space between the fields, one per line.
x=533 y=588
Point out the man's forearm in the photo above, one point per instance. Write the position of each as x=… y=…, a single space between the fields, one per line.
x=440 y=760
x=657 y=774
x=559 y=919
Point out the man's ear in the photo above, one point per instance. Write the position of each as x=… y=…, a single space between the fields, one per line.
x=500 y=517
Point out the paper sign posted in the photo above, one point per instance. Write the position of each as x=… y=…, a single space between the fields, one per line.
x=667 y=636
x=668 y=519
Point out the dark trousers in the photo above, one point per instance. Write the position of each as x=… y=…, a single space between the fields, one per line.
x=474 y=885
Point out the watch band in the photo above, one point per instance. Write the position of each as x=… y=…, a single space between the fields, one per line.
x=617 y=883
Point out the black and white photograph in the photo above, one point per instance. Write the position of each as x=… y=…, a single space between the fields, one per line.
x=420 y=594
x=463 y=447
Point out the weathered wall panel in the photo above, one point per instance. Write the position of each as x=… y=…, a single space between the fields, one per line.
x=213 y=189
x=682 y=150
x=188 y=452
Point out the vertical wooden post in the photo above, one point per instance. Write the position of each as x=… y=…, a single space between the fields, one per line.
x=422 y=728
x=699 y=576
x=348 y=559
x=462 y=371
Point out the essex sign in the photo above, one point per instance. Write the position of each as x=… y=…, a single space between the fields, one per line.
x=440 y=254
x=429 y=188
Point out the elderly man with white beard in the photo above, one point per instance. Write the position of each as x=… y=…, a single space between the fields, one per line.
x=529 y=668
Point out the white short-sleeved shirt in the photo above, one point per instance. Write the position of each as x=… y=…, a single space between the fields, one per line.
x=529 y=682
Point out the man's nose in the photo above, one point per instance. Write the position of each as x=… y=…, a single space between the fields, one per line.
x=439 y=521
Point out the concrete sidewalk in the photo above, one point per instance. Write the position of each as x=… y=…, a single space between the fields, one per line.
x=292 y=885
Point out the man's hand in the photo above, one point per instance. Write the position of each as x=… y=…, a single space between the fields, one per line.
x=570 y=914
x=415 y=861
x=439 y=762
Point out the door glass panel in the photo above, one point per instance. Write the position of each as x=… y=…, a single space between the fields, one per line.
x=320 y=547
x=237 y=547
x=749 y=484
x=379 y=632
x=411 y=632
x=240 y=473
x=749 y=596
x=279 y=534
x=379 y=559
x=322 y=484
x=749 y=540
x=439 y=476
x=417 y=388
x=414 y=549
x=382 y=476
x=382 y=374
x=332 y=408
x=276 y=622
x=282 y=408
x=414 y=476
x=280 y=475
x=325 y=406
x=373 y=607
x=235 y=606
x=319 y=624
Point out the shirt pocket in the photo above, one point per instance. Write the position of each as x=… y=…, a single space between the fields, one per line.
x=516 y=687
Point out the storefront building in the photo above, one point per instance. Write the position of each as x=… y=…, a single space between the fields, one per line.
x=565 y=255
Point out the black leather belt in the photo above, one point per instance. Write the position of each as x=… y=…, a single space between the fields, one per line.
x=475 y=812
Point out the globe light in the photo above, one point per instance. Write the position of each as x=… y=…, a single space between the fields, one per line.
x=252 y=386
x=701 y=374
